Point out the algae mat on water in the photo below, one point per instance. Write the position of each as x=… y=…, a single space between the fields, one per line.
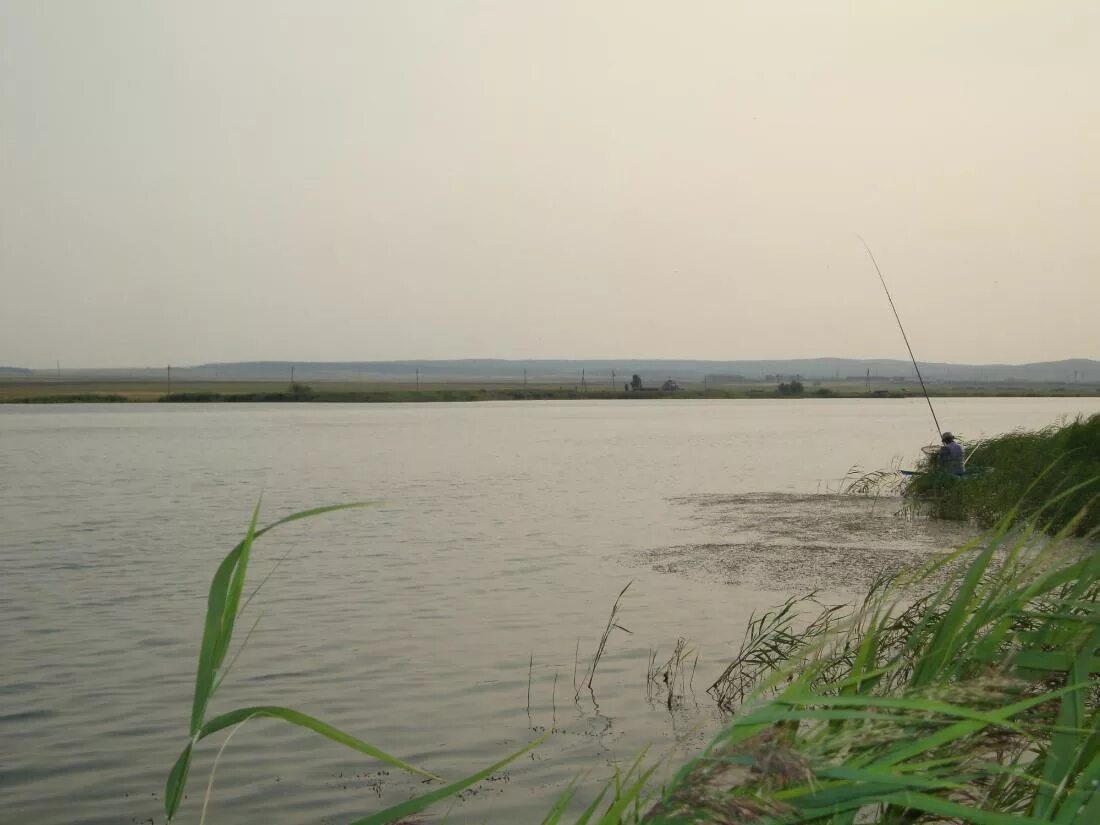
x=793 y=543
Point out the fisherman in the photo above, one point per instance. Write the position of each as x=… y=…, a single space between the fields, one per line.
x=951 y=455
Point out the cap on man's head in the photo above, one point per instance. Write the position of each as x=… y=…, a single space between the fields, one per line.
x=947 y=437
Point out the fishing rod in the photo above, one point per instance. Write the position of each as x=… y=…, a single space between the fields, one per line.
x=905 y=337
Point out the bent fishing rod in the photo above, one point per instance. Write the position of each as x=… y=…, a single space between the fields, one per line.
x=939 y=432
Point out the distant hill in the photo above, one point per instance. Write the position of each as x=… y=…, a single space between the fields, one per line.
x=1081 y=370
x=598 y=371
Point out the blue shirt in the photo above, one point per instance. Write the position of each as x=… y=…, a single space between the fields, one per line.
x=951 y=458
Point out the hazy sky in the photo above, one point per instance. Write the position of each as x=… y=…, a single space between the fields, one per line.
x=186 y=182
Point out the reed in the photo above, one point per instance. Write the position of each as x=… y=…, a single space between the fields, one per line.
x=1050 y=476
x=972 y=701
x=612 y=624
x=675 y=669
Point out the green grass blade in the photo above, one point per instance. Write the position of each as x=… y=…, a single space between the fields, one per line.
x=177 y=781
x=967 y=727
x=315 y=511
x=588 y=812
x=625 y=797
x=225 y=590
x=1086 y=784
x=1062 y=753
x=215 y=611
x=419 y=803
x=941 y=809
x=311 y=723
x=562 y=802
x=916 y=705
x=944 y=644
x=1089 y=813
x=863 y=663
x=947 y=809
x=233 y=591
x=907 y=781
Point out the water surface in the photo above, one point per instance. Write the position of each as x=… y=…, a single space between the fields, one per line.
x=504 y=530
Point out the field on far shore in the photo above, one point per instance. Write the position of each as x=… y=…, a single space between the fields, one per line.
x=61 y=390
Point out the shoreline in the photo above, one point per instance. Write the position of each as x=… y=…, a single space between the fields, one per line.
x=270 y=392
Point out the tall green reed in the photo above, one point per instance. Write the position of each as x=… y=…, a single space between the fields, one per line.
x=1025 y=472
x=971 y=700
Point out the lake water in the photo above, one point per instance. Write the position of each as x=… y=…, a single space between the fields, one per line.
x=504 y=532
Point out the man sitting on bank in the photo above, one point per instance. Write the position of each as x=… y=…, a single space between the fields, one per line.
x=951 y=455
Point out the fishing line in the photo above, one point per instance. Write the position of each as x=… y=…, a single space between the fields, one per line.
x=903 y=335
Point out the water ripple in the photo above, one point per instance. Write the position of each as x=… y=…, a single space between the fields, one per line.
x=506 y=533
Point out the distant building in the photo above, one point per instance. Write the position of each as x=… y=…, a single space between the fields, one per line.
x=670 y=386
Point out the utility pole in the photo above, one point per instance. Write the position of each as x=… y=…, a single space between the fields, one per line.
x=584 y=384
x=169 y=379
x=612 y=379
x=291 y=373
x=418 y=378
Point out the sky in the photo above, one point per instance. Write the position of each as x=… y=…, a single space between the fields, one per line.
x=218 y=181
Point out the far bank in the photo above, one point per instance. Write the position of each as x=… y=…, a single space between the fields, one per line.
x=121 y=391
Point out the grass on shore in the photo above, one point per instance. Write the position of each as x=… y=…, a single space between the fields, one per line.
x=1052 y=474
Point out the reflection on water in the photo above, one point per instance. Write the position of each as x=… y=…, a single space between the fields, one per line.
x=503 y=535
